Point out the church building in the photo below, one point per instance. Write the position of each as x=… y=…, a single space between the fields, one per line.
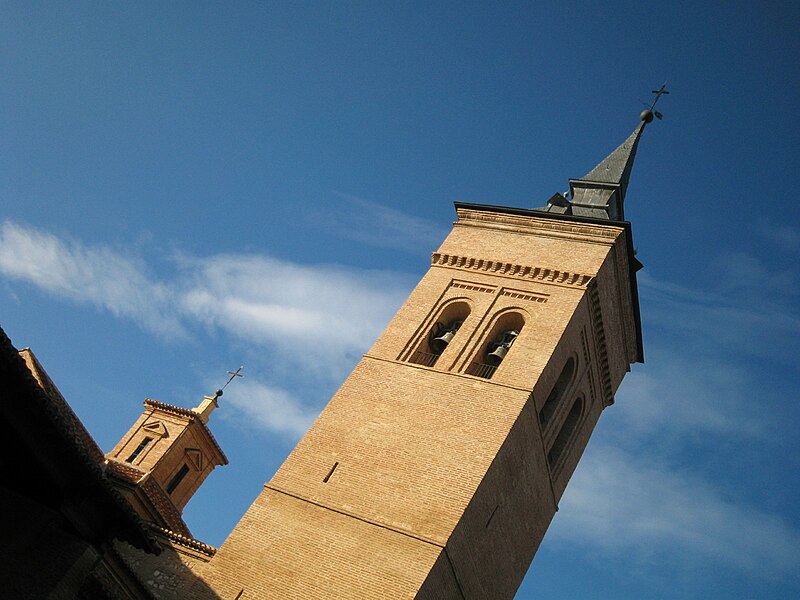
x=433 y=473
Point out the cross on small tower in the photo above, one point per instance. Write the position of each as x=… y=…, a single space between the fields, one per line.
x=238 y=372
x=233 y=375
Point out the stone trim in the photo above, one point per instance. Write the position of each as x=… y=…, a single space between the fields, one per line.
x=169 y=408
x=523 y=295
x=473 y=287
x=496 y=267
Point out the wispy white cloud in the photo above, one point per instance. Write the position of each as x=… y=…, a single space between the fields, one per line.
x=263 y=406
x=88 y=275
x=381 y=226
x=786 y=237
x=624 y=505
x=321 y=316
x=309 y=312
x=628 y=497
x=683 y=395
x=309 y=322
x=757 y=319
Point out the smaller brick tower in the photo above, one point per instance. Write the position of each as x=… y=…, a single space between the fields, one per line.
x=164 y=458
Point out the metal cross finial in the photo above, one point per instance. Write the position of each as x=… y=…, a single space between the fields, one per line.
x=659 y=92
x=233 y=375
x=648 y=114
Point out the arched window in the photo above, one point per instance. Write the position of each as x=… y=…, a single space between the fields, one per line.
x=441 y=334
x=565 y=435
x=557 y=393
x=497 y=345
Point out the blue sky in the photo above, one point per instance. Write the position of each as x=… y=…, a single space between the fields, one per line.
x=162 y=165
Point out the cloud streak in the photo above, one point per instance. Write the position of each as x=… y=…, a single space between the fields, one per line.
x=311 y=322
x=97 y=276
x=382 y=226
x=679 y=396
x=321 y=316
x=262 y=406
x=754 y=320
x=629 y=496
x=626 y=505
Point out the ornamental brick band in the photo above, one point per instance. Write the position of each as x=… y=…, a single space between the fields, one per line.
x=543 y=274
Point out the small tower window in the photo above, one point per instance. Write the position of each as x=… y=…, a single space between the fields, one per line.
x=139 y=449
x=557 y=393
x=497 y=345
x=441 y=334
x=177 y=478
x=565 y=435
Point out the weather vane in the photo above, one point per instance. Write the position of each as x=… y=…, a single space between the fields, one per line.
x=233 y=375
x=647 y=115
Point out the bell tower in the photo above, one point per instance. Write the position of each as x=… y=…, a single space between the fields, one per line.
x=437 y=467
x=164 y=458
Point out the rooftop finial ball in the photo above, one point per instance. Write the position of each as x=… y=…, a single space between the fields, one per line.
x=646 y=116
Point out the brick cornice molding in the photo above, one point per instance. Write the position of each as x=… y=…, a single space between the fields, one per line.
x=530 y=224
x=496 y=267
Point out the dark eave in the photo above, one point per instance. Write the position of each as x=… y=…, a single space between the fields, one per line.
x=55 y=446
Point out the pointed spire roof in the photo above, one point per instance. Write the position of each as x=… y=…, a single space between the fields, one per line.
x=601 y=192
x=616 y=167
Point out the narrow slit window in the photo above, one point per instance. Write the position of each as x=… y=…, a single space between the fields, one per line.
x=177 y=478
x=139 y=449
x=330 y=473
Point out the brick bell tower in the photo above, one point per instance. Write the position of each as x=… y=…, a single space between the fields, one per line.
x=163 y=459
x=437 y=467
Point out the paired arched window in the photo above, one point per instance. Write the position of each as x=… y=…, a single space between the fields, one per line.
x=441 y=334
x=497 y=344
x=557 y=393
x=566 y=433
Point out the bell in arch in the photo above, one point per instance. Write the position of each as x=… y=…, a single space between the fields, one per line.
x=443 y=336
x=498 y=349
